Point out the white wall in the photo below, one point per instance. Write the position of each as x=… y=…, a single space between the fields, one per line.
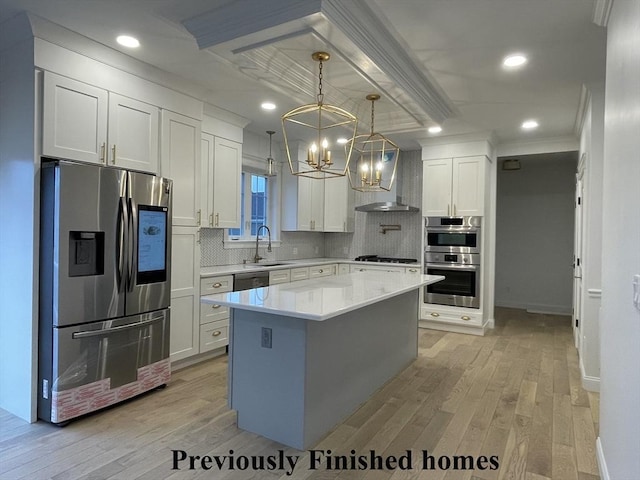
x=619 y=441
x=18 y=214
x=534 y=233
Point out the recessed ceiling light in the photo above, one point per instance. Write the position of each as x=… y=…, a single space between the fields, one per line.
x=435 y=129
x=342 y=140
x=514 y=60
x=128 y=41
x=529 y=124
x=268 y=106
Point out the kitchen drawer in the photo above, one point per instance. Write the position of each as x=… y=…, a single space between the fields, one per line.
x=221 y=284
x=301 y=273
x=211 y=313
x=322 y=270
x=343 y=268
x=371 y=268
x=279 y=276
x=214 y=335
x=471 y=318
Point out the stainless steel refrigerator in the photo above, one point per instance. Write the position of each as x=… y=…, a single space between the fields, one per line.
x=105 y=269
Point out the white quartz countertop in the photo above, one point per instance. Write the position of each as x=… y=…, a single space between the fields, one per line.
x=284 y=264
x=325 y=297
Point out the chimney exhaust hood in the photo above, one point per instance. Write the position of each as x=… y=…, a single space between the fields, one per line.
x=387 y=201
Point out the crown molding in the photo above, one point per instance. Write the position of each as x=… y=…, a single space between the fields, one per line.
x=601 y=12
x=225 y=115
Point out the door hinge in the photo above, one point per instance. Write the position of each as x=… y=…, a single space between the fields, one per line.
x=577 y=321
x=578 y=261
x=579 y=200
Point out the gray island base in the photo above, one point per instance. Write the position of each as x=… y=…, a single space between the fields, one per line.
x=292 y=379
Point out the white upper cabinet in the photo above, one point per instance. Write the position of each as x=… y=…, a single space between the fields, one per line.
x=303 y=203
x=133 y=134
x=181 y=162
x=220 y=182
x=339 y=209
x=454 y=186
x=74 y=124
x=227 y=177
x=89 y=124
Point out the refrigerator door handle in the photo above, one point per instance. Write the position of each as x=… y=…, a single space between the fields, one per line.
x=123 y=222
x=133 y=237
x=95 y=333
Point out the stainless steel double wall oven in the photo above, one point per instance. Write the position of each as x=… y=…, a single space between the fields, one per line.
x=452 y=249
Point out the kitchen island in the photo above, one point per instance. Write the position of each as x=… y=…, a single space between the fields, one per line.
x=303 y=356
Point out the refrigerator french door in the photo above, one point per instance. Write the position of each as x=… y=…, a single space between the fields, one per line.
x=105 y=249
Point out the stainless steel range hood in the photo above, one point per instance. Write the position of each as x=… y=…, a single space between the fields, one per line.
x=396 y=206
x=390 y=201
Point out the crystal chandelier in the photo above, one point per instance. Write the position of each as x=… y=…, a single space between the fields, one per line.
x=320 y=124
x=377 y=158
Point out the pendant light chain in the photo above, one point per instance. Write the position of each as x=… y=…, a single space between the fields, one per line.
x=320 y=95
x=372 y=107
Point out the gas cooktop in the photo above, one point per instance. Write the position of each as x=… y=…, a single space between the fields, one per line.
x=376 y=258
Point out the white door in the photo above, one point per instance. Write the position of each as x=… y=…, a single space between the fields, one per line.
x=227 y=178
x=185 y=293
x=133 y=134
x=577 y=259
x=467 y=195
x=436 y=188
x=338 y=209
x=206 y=180
x=181 y=160
x=74 y=120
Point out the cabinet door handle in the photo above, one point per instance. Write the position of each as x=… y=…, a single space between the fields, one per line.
x=216 y=306
x=211 y=219
x=434 y=314
x=465 y=317
x=413 y=270
x=217 y=219
x=198 y=236
x=113 y=154
x=216 y=333
x=103 y=152
x=216 y=285
x=199 y=213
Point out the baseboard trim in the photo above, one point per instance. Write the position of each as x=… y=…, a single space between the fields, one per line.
x=491 y=323
x=589 y=383
x=602 y=463
x=537 y=308
x=452 y=327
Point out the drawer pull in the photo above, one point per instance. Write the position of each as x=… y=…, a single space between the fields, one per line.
x=216 y=285
x=465 y=317
x=320 y=271
x=216 y=306
x=216 y=333
x=434 y=314
x=413 y=270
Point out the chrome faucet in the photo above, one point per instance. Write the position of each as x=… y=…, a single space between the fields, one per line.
x=256 y=257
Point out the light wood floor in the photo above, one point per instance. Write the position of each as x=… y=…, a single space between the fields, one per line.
x=514 y=393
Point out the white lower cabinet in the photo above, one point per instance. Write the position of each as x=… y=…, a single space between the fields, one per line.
x=376 y=268
x=322 y=270
x=301 y=273
x=214 y=318
x=452 y=319
x=279 y=276
x=185 y=293
x=343 y=268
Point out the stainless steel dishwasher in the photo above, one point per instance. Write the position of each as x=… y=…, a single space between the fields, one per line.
x=245 y=281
